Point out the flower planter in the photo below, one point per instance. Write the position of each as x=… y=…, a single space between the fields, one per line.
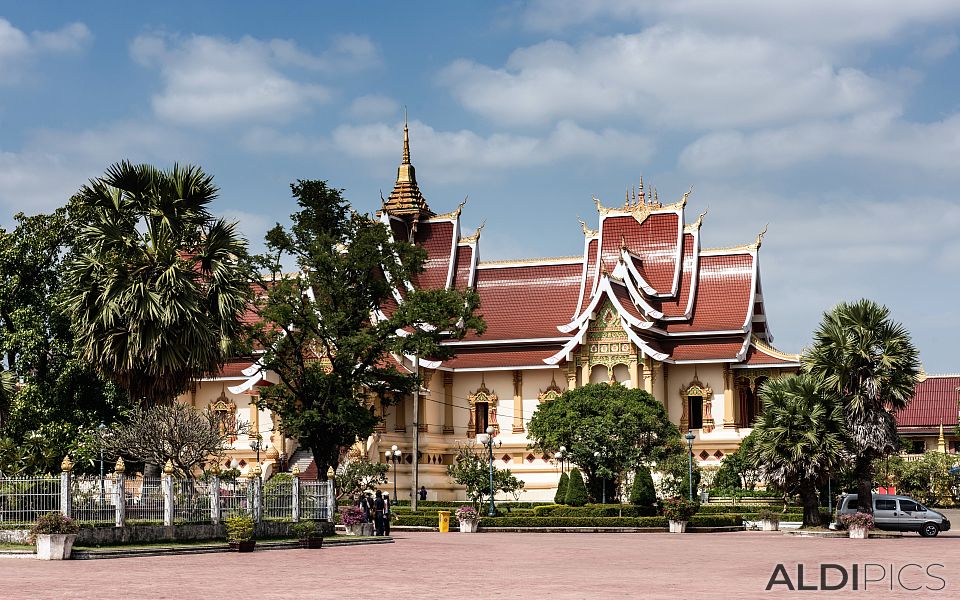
x=469 y=526
x=312 y=543
x=54 y=546
x=858 y=533
x=678 y=526
x=364 y=529
x=766 y=525
x=244 y=546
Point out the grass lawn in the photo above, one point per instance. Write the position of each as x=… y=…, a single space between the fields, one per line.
x=9 y=546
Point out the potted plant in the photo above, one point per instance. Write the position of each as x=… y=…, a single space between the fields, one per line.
x=240 y=532
x=678 y=511
x=469 y=519
x=307 y=534
x=54 y=535
x=769 y=520
x=352 y=519
x=858 y=524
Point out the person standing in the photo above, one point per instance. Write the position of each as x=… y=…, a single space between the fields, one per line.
x=387 y=513
x=378 y=509
x=423 y=492
x=365 y=506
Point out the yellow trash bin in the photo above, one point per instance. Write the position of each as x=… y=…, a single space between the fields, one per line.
x=444 y=521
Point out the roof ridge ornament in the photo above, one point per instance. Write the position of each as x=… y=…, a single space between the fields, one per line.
x=454 y=214
x=472 y=239
x=760 y=235
x=587 y=232
x=695 y=226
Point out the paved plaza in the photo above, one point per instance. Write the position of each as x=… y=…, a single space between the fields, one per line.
x=498 y=565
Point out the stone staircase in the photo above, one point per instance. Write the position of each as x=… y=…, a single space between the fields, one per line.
x=301 y=459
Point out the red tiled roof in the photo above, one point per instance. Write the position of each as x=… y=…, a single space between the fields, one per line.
x=675 y=307
x=724 y=348
x=723 y=294
x=654 y=241
x=934 y=402
x=756 y=356
x=462 y=274
x=590 y=276
x=527 y=301
x=437 y=239
x=623 y=296
x=498 y=356
x=233 y=367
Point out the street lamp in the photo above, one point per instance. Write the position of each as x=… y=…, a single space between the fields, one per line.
x=486 y=439
x=562 y=455
x=690 y=437
x=100 y=428
x=393 y=456
x=256 y=444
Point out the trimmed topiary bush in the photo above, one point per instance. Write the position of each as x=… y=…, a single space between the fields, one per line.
x=561 y=496
x=576 y=489
x=642 y=492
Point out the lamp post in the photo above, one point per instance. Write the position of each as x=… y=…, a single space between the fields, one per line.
x=256 y=444
x=100 y=429
x=393 y=456
x=487 y=440
x=690 y=437
x=562 y=455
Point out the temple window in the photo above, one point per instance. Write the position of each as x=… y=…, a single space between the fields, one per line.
x=481 y=417
x=225 y=414
x=697 y=402
x=483 y=410
x=694 y=411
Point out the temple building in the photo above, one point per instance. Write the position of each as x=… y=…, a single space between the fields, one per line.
x=643 y=304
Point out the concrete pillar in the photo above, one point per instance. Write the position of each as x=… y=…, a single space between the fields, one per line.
x=119 y=493
x=66 y=473
x=635 y=375
x=215 y=498
x=166 y=486
x=729 y=401
x=448 y=402
x=331 y=500
x=295 y=508
x=518 y=401
x=256 y=483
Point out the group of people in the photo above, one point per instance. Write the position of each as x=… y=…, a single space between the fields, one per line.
x=378 y=509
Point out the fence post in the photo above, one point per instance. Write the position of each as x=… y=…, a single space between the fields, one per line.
x=295 y=497
x=66 y=472
x=167 y=487
x=257 y=482
x=119 y=493
x=215 y=496
x=331 y=497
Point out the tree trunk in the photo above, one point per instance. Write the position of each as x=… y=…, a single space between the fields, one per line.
x=864 y=473
x=151 y=470
x=811 y=505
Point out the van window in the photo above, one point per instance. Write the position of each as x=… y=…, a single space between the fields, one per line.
x=852 y=503
x=909 y=506
x=886 y=505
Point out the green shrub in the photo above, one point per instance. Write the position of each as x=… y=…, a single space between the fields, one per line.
x=576 y=490
x=304 y=529
x=53 y=523
x=561 y=496
x=594 y=510
x=642 y=492
x=239 y=527
x=726 y=478
x=552 y=521
x=679 y=509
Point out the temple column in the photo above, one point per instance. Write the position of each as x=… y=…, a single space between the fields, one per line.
x=634 y=367
x=400 y=414
x=571 y=376
x=585 y=373
x=518 y=401
x=427 y=376
x=730 y=419
x=447 y=402
x=254 y=418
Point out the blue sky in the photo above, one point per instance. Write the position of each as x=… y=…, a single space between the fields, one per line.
x=836 y=122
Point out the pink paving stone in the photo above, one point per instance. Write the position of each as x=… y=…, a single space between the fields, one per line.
x=490 y=565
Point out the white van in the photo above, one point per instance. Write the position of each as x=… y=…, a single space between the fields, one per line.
x=899 y=513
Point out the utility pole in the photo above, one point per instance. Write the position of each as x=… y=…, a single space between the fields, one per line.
x=416 y=434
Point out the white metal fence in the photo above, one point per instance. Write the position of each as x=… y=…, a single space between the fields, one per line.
x=125 y=500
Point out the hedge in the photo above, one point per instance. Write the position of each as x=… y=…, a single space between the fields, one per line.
x=444 y=504
x=594 y=510
x=696 y=521
x=738 y=493
x=714 y=509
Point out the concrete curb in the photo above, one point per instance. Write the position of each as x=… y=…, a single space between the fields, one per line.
x=100 y=553
x=483 y=529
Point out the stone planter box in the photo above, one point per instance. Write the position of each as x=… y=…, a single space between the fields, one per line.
x=365 y=529
x=859 y=533
x=469 y=526
x=678 y=526
x=769 y=525
x=312 y=543
x=55 y=546
x=244 y=546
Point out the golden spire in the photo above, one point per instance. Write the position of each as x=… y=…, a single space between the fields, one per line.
x=641 y=189
x=406 y=140
x=406 y=199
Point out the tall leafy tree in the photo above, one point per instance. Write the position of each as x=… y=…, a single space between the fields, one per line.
x=324 y=333
x=158 y=286
x=800 y=439
x=869 y=361
x=608 y=430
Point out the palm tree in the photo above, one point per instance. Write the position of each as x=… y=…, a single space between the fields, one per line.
x=8 y=387
x=799 y=439
x=869 y=362
x=157 y=286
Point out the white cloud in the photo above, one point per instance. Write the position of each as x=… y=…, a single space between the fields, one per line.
x=809 y=22
x=373 y=106
x=53 y=165
x=18 y=48
x=253 y=226
x=881 y=137
x=464 y=154
x=682 y=78
x=212 y=81
x=939 y=47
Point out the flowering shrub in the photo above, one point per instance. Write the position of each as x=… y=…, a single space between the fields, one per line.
x=861 y=520
x=467 y=513
x=53 y=523
x=769 y=515
x=351 y=515
x=679 y=509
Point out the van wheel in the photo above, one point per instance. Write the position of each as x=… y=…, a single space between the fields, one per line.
x=929 y=530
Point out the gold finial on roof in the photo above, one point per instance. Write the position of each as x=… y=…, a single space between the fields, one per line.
x=760 y=235
x=472 y=239
x=406 y=199
x=623 y=242
x=656 y=196
x=67 y=465
x=641 y=188
x=331 y=473
x=586 y=230
x=683 y=201
x=119 y=467
x=168 y=468
x=941 y=442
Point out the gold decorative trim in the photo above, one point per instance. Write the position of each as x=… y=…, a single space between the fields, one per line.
x=473 y=239
x=695 y=226
x=552 y=392
x=587 y=232
x=482 y=394
x=768 y=349
x=697 y=388
x=450 y=216
x=532 y=261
